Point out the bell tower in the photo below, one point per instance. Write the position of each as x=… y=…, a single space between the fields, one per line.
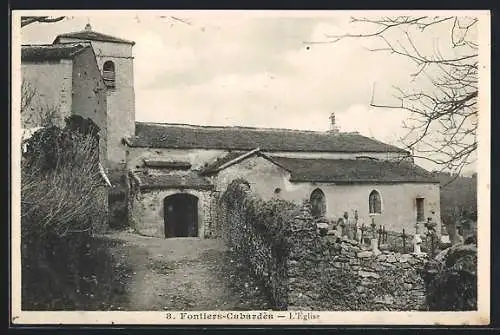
x=116 y=63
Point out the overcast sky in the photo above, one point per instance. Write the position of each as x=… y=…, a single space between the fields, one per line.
x=228 y=69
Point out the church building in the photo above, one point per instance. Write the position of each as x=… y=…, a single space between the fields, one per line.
x=174 y=174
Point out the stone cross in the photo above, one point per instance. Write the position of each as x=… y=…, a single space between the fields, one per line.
x=417 y=242
x=374 y=228
x=374 y=246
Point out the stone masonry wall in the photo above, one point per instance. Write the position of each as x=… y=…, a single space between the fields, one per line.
x=120 y=100
x=254 y=232
x=146 y=211
x=329 y=273
x=89 y=96
x=303 y=269
x=52 y=85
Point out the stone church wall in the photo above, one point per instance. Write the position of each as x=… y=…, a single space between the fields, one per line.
x=398 y=201
x=263 y=176
x=89 y=96
x=269 y=181
x=120 y=100
x=196 y=157
x=52 y=84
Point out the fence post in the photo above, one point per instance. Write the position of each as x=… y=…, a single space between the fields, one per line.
x=417 y=241
x=362 y=233
x=431 y=230
x=379 y=235
x=432 y=244
x=404 y=240
x=374 y=228
x=356 y=227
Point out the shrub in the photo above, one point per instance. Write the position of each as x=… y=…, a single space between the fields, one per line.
x=61 y=188
x=117 y=213
x=257 y=233
x=62 y=206
x=451 y=279
x=458 y=196
x=78 y=272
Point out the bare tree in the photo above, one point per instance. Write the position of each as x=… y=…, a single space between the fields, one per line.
x=28 y=93
x=26 y=20
x=34 y=112
x=442 y=97
x=63 y=199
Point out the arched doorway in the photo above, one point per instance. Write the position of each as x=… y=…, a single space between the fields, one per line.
x=318 y=203
x=181 y=215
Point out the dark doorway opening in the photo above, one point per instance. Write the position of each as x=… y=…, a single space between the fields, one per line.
x=181 y=215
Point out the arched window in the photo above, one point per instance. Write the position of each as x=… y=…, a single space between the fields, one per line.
x=108 y=73
x=375 y=203
x=318 y=203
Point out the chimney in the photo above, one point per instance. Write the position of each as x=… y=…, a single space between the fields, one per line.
x=88 y=27
x=333 y=127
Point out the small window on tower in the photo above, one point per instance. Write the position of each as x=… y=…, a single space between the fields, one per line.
x=108 y=74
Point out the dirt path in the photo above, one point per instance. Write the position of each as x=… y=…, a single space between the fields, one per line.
x=176 y=274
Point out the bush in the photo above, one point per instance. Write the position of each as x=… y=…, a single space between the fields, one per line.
x=117 y=212
x=257 y=234
x=451 y=279
x=62 y=206
x=75 y=273
x=458 y=201
x=62 y=191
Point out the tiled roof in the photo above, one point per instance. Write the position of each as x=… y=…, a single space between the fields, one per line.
x=93 y=36
x=177 y=179
x=353 y=171
x=52 y=51
x=212 y=168
x=164 y=135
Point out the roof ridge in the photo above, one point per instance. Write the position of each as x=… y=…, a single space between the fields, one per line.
x=76 y=34
x=242 y=127
x=55 y=45
x=35 y=52
x=247 y=138
x=373 y=161
x=80 y=42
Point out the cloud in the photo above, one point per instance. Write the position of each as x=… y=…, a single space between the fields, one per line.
x=246 y=46
x=243 y=70
x=317 y=81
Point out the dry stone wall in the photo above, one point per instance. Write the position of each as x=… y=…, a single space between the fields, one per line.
x=256 y=232
x=302 y=269
x=330 y=273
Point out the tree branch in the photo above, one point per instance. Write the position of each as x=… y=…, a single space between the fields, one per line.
x=443 y=111
x=26 y=20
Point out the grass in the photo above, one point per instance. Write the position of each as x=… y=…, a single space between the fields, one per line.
x=160 y=266
x=241 y=283
x=99 y=284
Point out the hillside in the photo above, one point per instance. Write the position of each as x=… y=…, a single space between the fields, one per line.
x=458 y=199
